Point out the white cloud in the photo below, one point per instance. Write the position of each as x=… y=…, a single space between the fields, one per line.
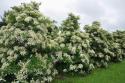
x=109 y=12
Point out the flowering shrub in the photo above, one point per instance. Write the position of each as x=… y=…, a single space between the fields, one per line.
x=34 y=50
x=119 y=39
x=74 y=46
x=24 y=46
x=99 y=44
x=103 y=45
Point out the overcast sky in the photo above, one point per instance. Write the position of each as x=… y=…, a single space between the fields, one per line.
x=111 y=13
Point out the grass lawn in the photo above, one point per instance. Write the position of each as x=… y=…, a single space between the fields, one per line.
x=115 y=73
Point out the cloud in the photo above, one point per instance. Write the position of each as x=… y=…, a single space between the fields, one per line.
x=90 y=8
x=109 y=12
x=7 y=4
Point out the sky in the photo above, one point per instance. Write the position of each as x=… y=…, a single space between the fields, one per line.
x=110 y=13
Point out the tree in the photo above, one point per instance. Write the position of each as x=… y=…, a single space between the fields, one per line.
x=101 y=42
x=24 y=45
x=74 y=46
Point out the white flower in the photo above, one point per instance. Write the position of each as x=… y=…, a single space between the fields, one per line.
x=55 y=72
x=41 y=82
x=91 y=66
x=23 y=52
x=73 y=51
x=10 y=58
x=92 y=51
x=1 y=56
x=81 y=55
x=49 y=79
x=4 y=65
x=48 y=71
x=66 y=55
x=62 y=45
x=32 y=81
x=15 y=48
x=3 y=60
x=18 y=18
x=80 y=66
x=28 y=19
x=100 y=55
x=15 y=56
x=64 y=70
x=68 y=33
x=72 y=67
x=76 y=70
x=37 y=81
x=83 y=60
x=36 y=22
x=59 y=32
x=84 y=45
x=45 y=78
x=79 y=47
x=10 y=52
x=59 y=57
x=107 y=57
x=59 y=53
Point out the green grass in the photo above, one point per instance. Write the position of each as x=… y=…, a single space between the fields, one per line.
x=115 y=73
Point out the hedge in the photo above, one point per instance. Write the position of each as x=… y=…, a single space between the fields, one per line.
x=33 y=49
